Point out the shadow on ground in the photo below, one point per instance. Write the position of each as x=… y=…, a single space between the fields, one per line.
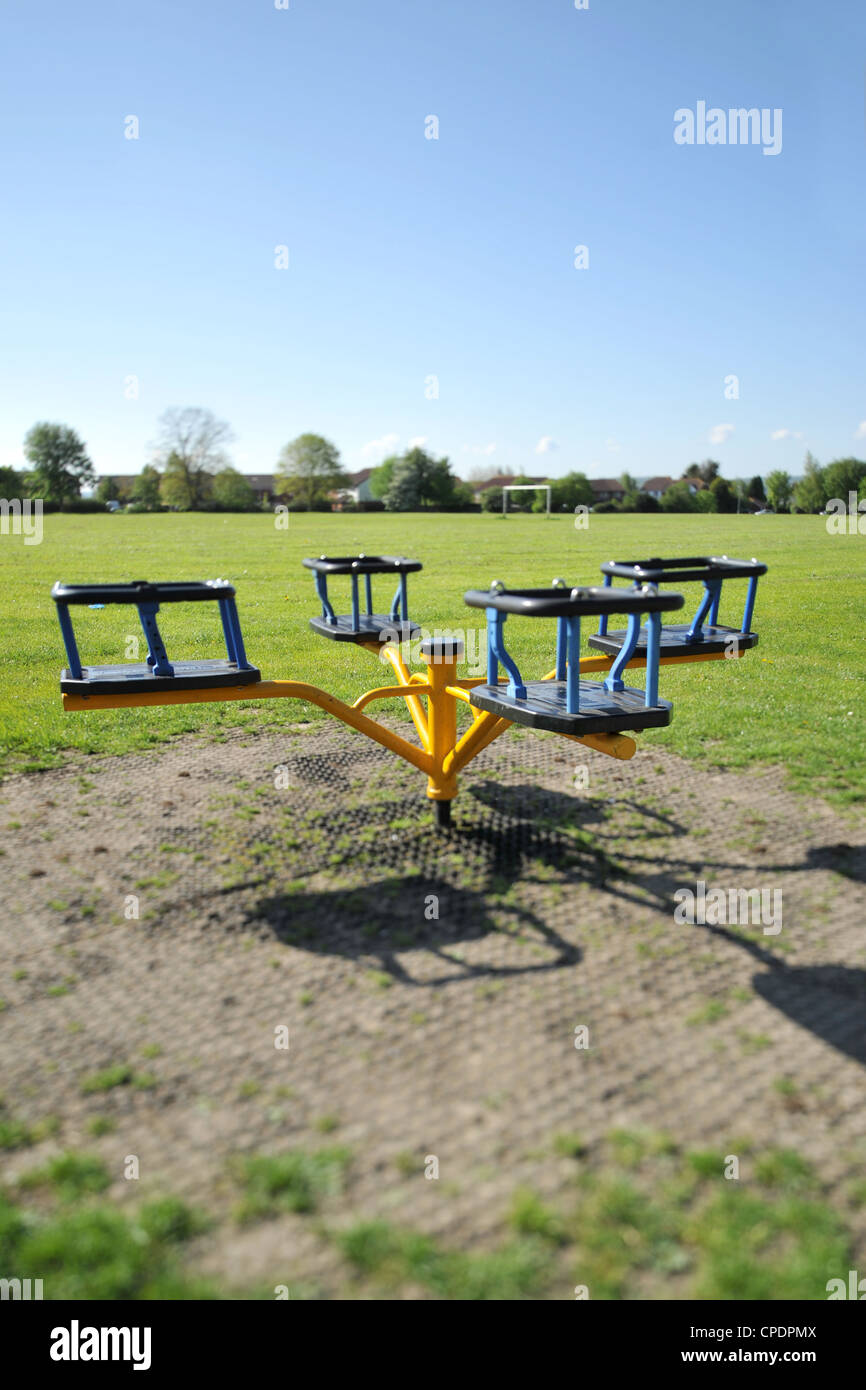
x=438 y=891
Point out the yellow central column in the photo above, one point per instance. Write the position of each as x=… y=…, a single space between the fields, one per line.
x=441 y=655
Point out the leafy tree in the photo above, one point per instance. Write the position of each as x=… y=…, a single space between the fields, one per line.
x=419 y=481
x=726 y=498
x=573 y=490
x=843 y=476
x=779 y=489
x=59 y=462
x=756 y=489
x=491 y=499
x=708 y=470
x=107 y=490
x=11 y=483
x=464 y=495
x=629 y=502
x=380 y=478
x=705 y=500
x=145 y=489
x=309 y=470
x=181 y=489
x=190 y=449
x=232 y=492
x=404 y=493
x=645 y=502
x=679 y=498
x=810 y=493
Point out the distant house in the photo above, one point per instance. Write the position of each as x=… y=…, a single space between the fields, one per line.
x=355 y=489
x=263 y=485
x=358 y=488
x=606 y=490
x=657 y=487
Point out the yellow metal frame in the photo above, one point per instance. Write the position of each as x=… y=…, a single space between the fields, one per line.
x=441 y=754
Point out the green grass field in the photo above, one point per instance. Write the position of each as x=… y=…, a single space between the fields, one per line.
x=796 y=700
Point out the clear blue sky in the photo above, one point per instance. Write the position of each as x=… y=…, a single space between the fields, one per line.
x=453 y=258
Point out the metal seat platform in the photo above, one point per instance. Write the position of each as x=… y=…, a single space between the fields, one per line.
x=363 y=626
x=600 y=711
x=137 y=675
x=676 y=640
x=371 y=627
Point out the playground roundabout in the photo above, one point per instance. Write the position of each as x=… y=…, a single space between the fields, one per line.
x=498 y=1051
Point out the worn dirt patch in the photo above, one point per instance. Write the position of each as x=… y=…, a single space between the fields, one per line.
x=431 y=982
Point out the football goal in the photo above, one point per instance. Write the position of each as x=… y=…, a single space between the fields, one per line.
x=524 y=487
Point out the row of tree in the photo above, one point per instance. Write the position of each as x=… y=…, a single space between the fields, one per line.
x=715 y=494
x=190 y=466
x=818 y=485
x=191 y=471
x=809 y=493
x=701 y=489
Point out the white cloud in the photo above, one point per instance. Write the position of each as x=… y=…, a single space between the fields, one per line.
x=720 y=434
x=380 y=448
x=786 y=434
x=861 y=430
x=485 y=449
x=545 y=445
x=418 y=442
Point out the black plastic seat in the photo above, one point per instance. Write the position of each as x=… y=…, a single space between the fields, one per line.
x=568 y=704
x=370 y=627
x=676 y=640
x=704 y=635
x=157 y=672
x=131 y=676
x=364 y=626
x=544 y=706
